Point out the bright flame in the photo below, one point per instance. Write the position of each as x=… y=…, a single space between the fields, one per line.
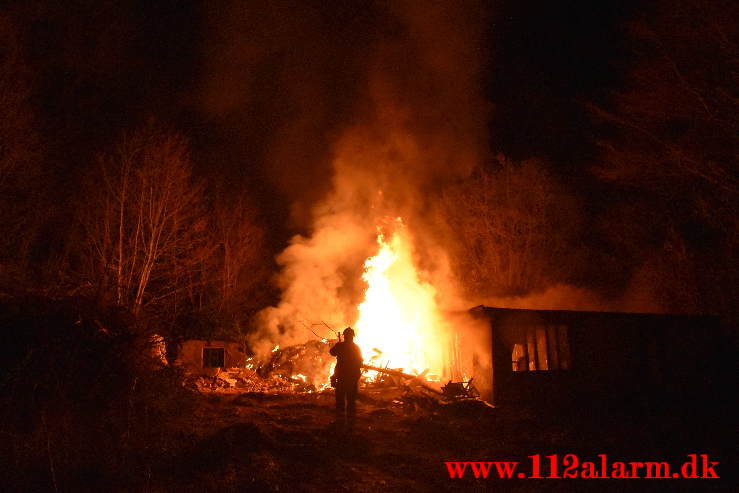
x=399 y=322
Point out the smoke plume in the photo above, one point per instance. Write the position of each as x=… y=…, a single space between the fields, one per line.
x=416 y=122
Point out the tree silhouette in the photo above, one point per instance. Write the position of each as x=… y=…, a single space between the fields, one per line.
x=513 y=227
x=20 y=157
x=671 y=143
x=145 y=232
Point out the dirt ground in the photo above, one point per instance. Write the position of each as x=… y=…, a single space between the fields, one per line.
x=291 y=442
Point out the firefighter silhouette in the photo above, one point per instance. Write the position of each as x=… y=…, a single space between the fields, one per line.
x=346 y=375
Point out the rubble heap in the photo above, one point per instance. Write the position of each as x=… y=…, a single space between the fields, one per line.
x=245 y=380
x=310 y=362
x=299 y=368
x=305 y=368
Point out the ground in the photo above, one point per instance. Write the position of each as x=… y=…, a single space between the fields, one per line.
x=291 y=442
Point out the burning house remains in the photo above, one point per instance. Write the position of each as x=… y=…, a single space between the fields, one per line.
x=508 y=357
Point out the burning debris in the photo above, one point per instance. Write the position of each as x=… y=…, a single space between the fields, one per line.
x=242 y=380
x=393 y=377
x=414 y=392
x=309 y=363
x=460 y=390
x=399 y=322
x=299 y=368
x=306 y=368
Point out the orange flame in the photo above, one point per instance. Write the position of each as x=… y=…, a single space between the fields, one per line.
x=399 y=322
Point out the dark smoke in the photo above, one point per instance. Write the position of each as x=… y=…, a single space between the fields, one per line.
x=359 y=115
x=284 y=80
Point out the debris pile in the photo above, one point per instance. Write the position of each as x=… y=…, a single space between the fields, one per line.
x=242 y=380
x=460 y=390
x=305 y=368
x=299 y=368
x=414 y=392
x=309 y=362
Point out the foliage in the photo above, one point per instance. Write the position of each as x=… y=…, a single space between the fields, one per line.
x=669 y=141
x=240 y=269
x=513 y=226
x=151 y=243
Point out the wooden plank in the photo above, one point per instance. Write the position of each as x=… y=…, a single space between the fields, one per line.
x=541 y=349
x=531 y=347
x=553 y=347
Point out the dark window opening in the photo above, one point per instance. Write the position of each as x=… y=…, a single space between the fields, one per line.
x=214 y=357
x=546 y=348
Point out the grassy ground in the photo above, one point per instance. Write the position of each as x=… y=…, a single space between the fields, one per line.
x=291 y=443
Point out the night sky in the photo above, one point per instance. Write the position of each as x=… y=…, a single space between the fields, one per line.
x=546 y=59
x=104 y=68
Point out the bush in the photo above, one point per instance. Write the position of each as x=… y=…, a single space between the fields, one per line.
x=82 y=405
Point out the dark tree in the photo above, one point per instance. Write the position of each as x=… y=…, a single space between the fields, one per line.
x=513 y=226
x=144 y=227
x=21 y=206
x=672 y=148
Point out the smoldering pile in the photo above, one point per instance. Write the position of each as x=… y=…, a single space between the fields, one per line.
x=309 y=362
x=302 y=368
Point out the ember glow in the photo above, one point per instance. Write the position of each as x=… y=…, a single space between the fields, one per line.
x=399 y=322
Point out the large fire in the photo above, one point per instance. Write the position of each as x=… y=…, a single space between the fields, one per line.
x=399 y=323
